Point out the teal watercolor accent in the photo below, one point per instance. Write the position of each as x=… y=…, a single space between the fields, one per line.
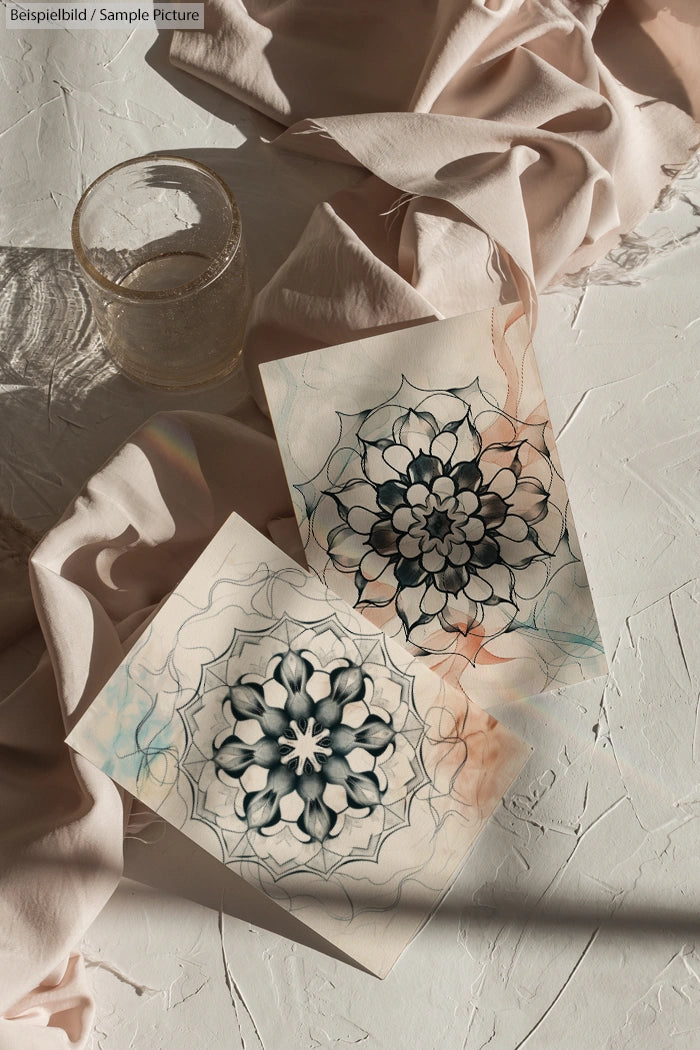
x=562 y=637
x=128 y=735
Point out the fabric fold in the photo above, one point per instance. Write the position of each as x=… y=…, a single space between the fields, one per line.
x=97 y=576
x=528 y=161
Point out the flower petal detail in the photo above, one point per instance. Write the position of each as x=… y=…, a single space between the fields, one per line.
x=518 y=555
x=317 y=820
x=466 y=476
x=374 y=736
x=390 y=495
x=514 y=528
x=529 y=501
x=532 y=579
x=398 y=457
x=443 y=445
x=355 y=494
x=347 y=685
x=234 y=756
x=485 y=552
x=467 y=501
x=473 y=530
x=380 y=422
x=375 y=467
x=433 y=561
x=444 y=487
x=272 y=720
x=478 y=590
x=500 y=578
x=503 y=483
x=463 y=619
x=504 y=455
x=417 y=495
x=293 y=672
x=468 y=445
x=433 y=601
x=362 y=789
x=310 y=786
x=262 y=808
x=345 y=548
x=408 y=606
x=452 y=579
x=415 y=431
x=361 y=520
x=373 y=565
x=409 y=546
x=247 y=701
x=461 y=553
x=446 y=407
x=409 y=572
x=425 y=469
x=379 y=592
x=383 y=538
x=402 y=518
x=493 y=510
x=550 y=529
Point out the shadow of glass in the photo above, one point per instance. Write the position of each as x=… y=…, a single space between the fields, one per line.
x=276 y=191
x=65 y=407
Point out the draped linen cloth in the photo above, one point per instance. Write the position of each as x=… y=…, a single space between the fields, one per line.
x=503 y=153
x=500 y=153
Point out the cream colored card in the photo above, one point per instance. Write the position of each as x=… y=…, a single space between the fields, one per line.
x=291 y=739
x=429 y=495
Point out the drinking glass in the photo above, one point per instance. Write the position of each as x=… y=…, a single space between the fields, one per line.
x=159 y=241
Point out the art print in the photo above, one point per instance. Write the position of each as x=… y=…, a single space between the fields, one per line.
x=289 y=737
x=430 y=496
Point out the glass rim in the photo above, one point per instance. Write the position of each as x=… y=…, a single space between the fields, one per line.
x=215 y=268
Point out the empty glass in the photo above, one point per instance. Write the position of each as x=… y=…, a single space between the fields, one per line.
x=159 y=241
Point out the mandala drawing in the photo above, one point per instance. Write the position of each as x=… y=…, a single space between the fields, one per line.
x=315 y=749
x=443 y=508
x=319 y=761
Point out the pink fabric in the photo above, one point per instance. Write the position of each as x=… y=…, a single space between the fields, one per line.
x=96 y=577
x=500 y=154
x=527 y=158
x=56 y=1014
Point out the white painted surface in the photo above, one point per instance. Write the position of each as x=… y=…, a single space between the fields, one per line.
x=575 y=921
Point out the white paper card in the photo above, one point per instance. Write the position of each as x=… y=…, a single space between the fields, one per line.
x=286 y=735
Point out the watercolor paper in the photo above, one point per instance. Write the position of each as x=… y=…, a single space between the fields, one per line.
x=290 y=738
x=429 y=495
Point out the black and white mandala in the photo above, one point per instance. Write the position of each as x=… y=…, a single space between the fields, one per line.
x=314 y=752
x=443 y=507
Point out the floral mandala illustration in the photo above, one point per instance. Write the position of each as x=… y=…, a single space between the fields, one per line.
x=314 y=753
x=304 y=745
x=442 y=506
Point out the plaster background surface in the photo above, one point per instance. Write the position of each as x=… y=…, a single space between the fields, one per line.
x=575 y=921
